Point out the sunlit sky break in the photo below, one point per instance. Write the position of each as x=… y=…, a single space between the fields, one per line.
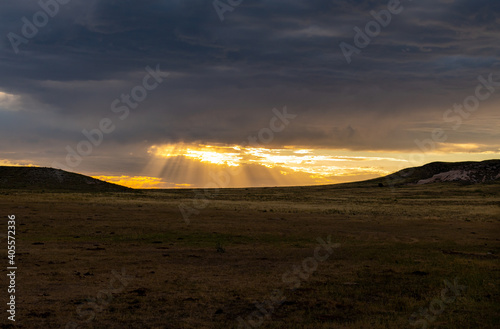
x=166 y=94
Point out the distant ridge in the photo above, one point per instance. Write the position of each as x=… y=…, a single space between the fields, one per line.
x=464 y=172
x=40 y=178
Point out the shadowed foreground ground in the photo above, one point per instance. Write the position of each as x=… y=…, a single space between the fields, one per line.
x=128 y=260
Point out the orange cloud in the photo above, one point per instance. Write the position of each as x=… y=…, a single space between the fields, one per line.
x=260 y=166
x=15 y=164
x=140 y=182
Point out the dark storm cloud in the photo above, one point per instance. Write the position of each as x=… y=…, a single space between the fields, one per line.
x=225 y=77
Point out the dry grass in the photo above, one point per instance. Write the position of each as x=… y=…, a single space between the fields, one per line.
x=396 y=249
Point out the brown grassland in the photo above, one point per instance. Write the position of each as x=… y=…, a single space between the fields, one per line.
x=396 y=249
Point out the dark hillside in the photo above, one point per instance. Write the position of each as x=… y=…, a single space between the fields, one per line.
x=38 y=178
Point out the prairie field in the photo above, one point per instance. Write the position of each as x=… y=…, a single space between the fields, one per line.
x=342 y=256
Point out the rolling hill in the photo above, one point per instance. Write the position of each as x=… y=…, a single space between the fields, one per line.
x=463 y=172
x=39 y=178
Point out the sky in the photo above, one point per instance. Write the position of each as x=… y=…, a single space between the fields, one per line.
x=240 y=93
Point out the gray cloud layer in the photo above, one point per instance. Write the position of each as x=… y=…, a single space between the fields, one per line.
x=225 y=77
